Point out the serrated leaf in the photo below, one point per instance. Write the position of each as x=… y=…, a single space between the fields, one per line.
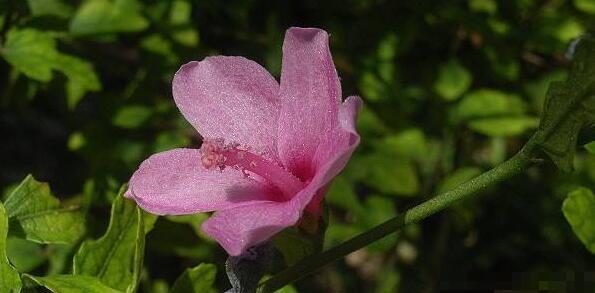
x=579 y=210
x=31 y=52
x=40 y=216
x=453 y=80
x=196 y=280
x=10 y=280
x=72 y=284
x=116 y=258
x=567 y=107
x=105 y=17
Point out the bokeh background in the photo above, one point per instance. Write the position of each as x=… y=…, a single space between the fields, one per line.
x=451 y=88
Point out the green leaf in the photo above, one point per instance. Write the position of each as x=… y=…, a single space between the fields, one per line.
x=590 y=147
x=41 y=217
x=195 y=221
x=341 y=194
x=31 y=52
x=131 y=116
x=25 y=255
x=295 y=244
x=81 y=77
x=196 y=280
x=494 y=113
x=410 y=143
x=587 y=6
x=72 y=284
x=489 y=103
x=10 y=280
x=168 y=140
x=579 y=210
x=49 y=7
x=116 y=257
x=390 y=174
x=34 y=54
x=180 y=15
x=453 y=80
x=567 y=107
x=106 y=17
x=383 y=209
x=506 y=126
x=488 y=6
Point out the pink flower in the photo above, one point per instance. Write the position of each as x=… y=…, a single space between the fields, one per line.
x=269 y=151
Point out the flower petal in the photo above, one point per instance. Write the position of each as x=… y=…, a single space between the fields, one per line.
x=175 y=182
x=334 y=152
x=240 y=228
x=336 y=148
x=231 y=98
x=310 y=96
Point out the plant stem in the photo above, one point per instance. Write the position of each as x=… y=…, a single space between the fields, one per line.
x=513 y=166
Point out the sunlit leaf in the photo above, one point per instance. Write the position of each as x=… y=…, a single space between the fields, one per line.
x=505 y=126
x=40 y=215
x=81 y=77
x=453 y=80
x=106 y=16
x=10 y=280
x=579 y=210
x=488 y=103
x=169 y=140
x=32 y=52
x=389 y=174
x=72 y=284
x=487 y=6
x=587 y=6
x=196 y=280
x=116 y=258
x=409 y=143
x=494 y=113
x=131 y=116
x=49 y=7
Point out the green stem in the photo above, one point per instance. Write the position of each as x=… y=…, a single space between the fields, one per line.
x=513 y=166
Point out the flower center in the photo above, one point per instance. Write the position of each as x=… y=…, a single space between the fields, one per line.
x=217 y=154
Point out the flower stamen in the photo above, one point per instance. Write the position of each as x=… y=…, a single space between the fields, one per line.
x=217 y=154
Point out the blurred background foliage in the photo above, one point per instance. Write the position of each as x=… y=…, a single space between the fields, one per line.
x=451 y=88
